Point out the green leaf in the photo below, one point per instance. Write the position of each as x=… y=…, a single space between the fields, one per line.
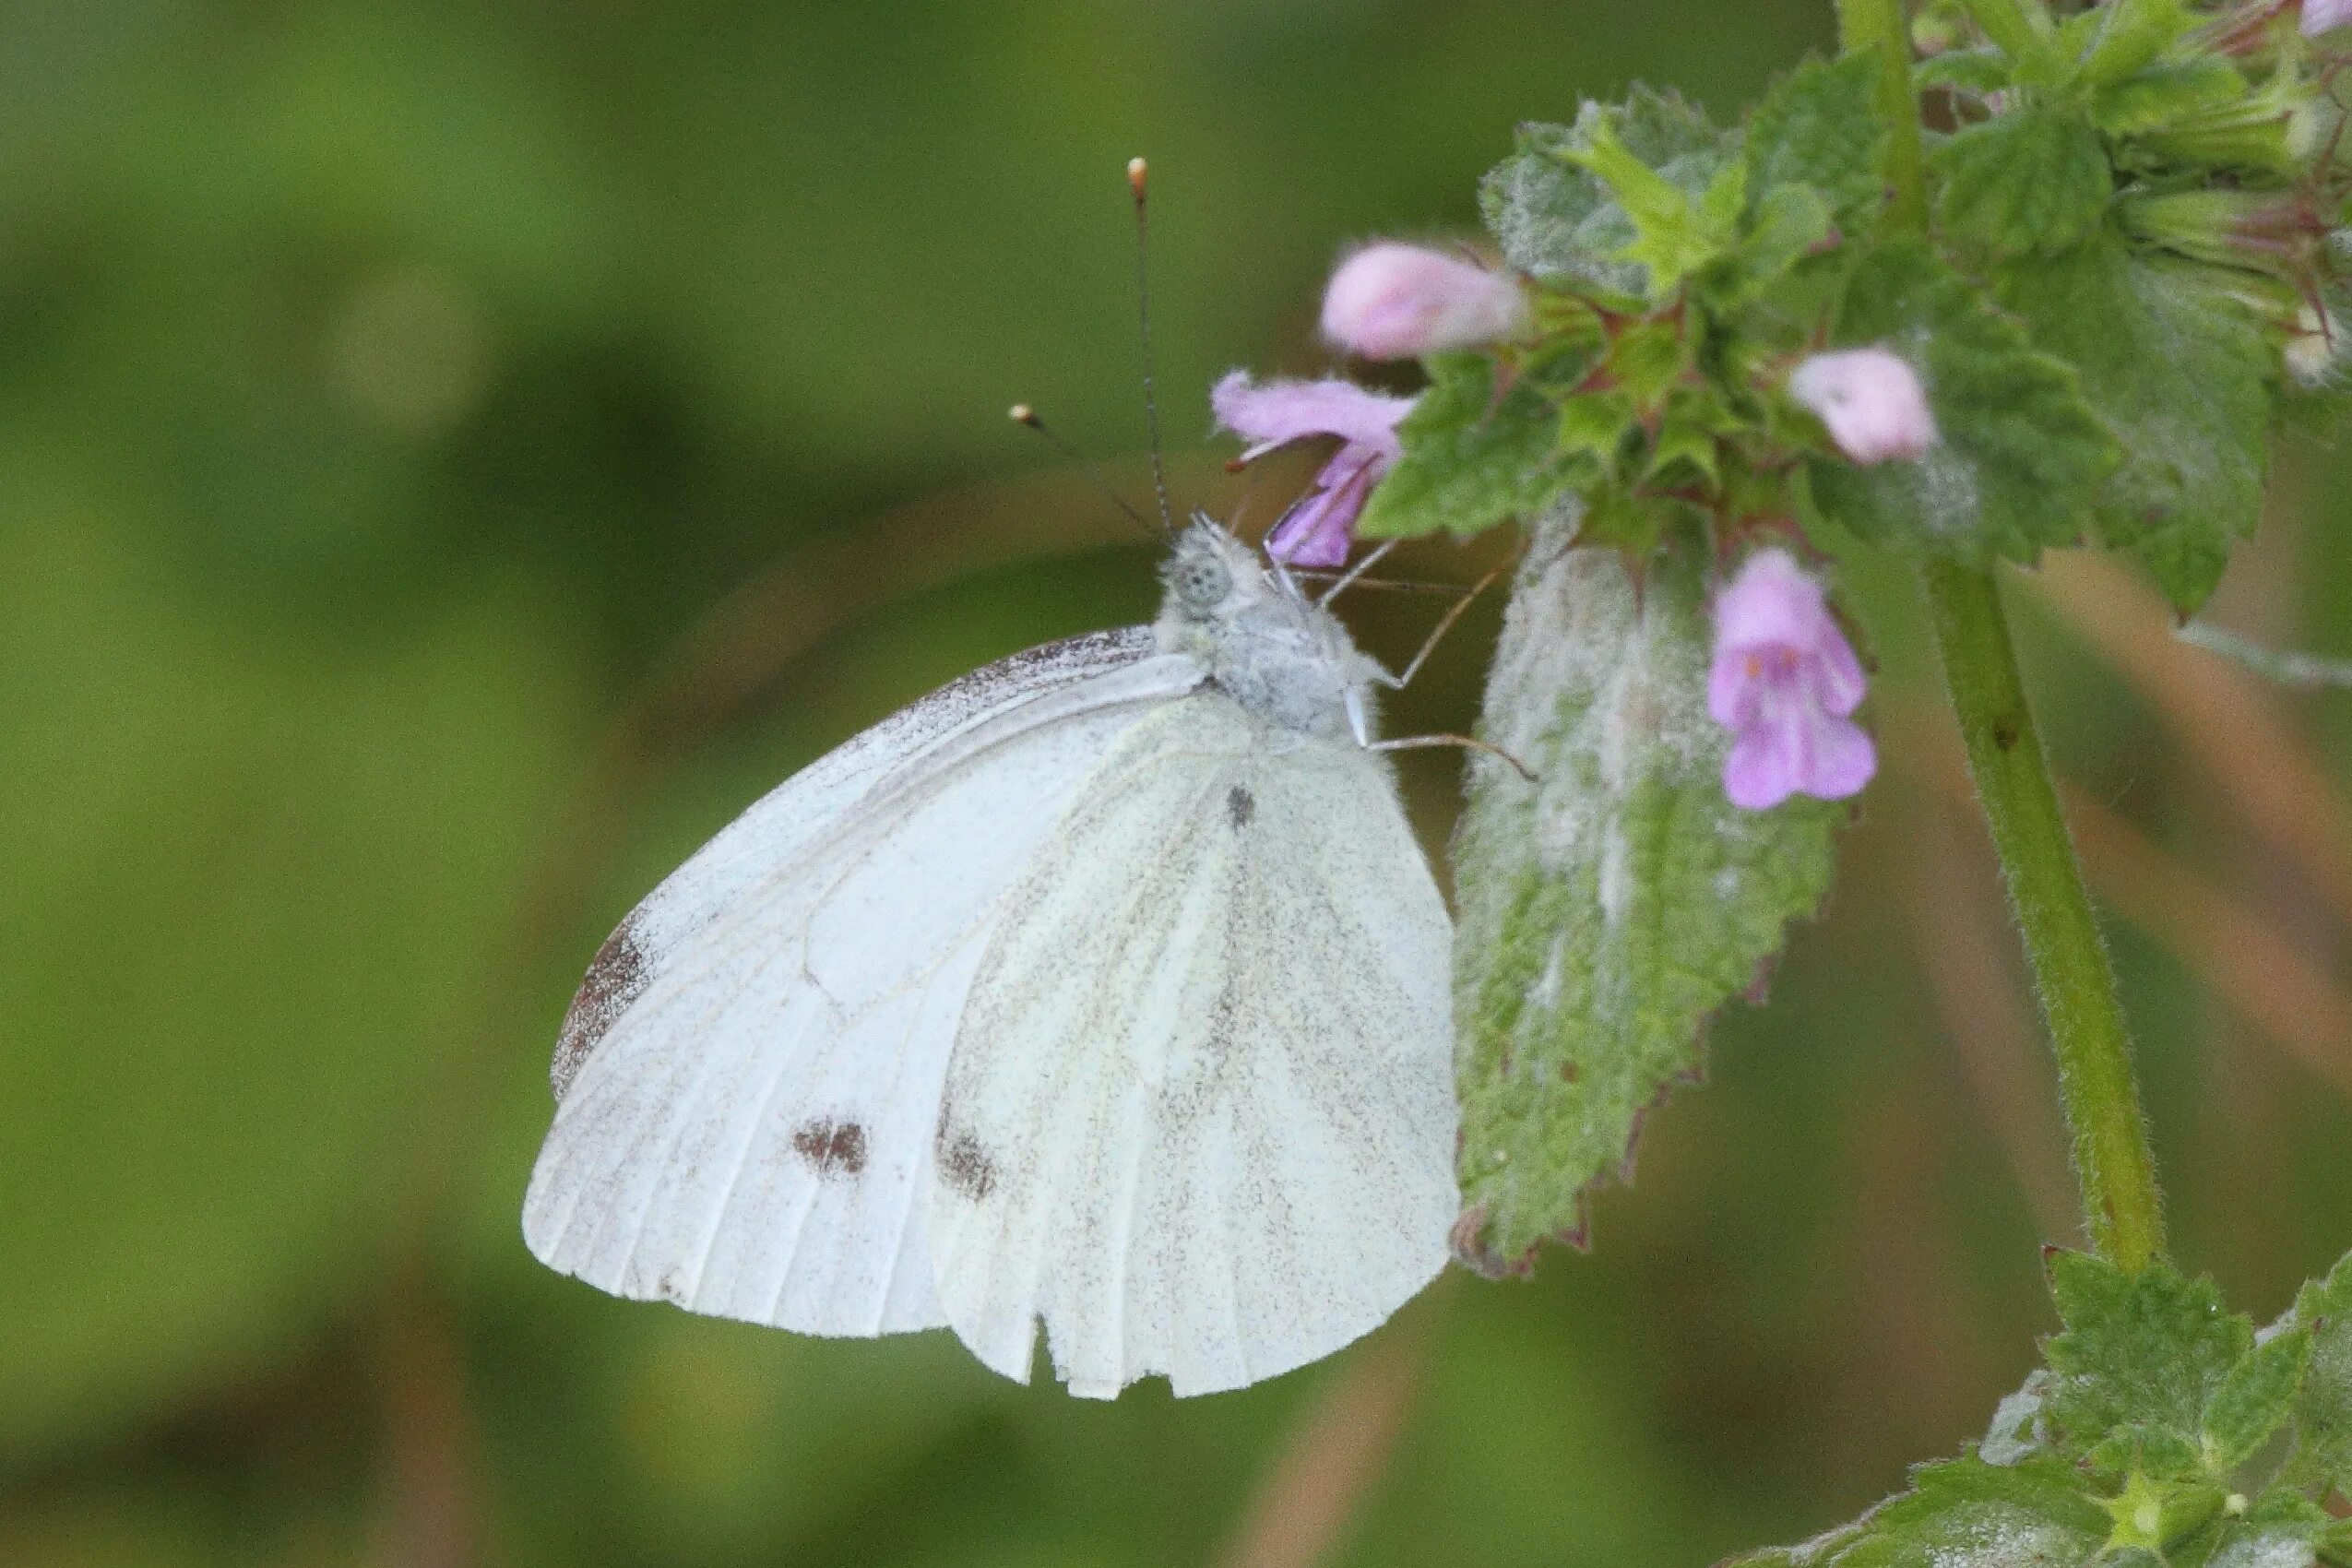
x=2255 y=1399
x=2027 y=183
x=2170 y=92
x=2141 y=1357
x=2022 y=455
x=1607 y=909
x=1787 y=226
x=2322 y=1457
x=1965 y=1514
x=1555 y=221
x=1673 y=235
x=1816 y=127
x=2294 y=1545
x=2185 y=379
x=1980 y=73
x=2131 y=34
x=1471 y=460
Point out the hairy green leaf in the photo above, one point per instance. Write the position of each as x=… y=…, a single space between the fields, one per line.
x=1471 y=460
x=2021 y=455
x=2254 y=1399
x=1554 y=219
x=1816 y=127
x=2321 y=1458
x=1965 y=1514
x=2027 y=183
x=2141 y=1357
x=1609 y=908
x=2185 y=379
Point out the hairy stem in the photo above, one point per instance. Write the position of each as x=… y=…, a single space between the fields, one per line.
x=1877 y=26
x=2100 y=1094
x=2112 y=1163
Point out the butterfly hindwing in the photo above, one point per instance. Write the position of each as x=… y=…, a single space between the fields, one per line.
x=749 y=1080
x=1199 y=1117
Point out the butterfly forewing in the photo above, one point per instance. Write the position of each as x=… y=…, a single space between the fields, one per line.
x=1199 y=1118
x=749 y=1081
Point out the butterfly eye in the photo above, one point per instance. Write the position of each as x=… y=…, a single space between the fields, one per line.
x=1202 y=582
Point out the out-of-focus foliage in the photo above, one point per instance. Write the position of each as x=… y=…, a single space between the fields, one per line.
x=452 y=456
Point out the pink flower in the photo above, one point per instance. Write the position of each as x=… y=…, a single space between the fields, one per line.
x=1872 y=401
x=1784 y=681
x=2320 y=15
x=1318 y=528
x=1392 y=301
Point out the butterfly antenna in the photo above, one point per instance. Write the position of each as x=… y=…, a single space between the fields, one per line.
x=1137 y=171
x=1028 y=418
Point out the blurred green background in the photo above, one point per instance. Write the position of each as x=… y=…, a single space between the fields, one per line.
x=454 y=456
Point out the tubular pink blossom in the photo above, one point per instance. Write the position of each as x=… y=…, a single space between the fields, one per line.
x=1395 y=302
x=2323 y=16
x=1785 y=682
x=1871 y=401
x=1318 y=530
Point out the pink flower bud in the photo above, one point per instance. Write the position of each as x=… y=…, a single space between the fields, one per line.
x=1392 y=301
x=1872 y=401
x=1785 y=682
x=2320 y=15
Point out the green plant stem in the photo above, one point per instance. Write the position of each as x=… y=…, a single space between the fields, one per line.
x=2112 y=1162
x=1877 y=26
x=2096 y=1083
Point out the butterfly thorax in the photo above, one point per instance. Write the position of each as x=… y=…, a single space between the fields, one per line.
x=1284 y=660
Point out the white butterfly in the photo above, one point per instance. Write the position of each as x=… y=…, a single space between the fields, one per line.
x=1105 y=988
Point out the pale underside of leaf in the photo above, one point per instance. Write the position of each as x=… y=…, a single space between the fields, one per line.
x=1608 y=909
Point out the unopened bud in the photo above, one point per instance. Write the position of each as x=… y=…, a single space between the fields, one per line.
x=1871 y=401
x=1395 y=302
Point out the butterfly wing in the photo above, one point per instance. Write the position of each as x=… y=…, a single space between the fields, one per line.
x=1200 y=1117
x=748 y=1080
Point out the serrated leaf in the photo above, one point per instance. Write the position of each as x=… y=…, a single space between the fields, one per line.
x=2183 y=377
x=1816 y=127
x=1609 y=908
x=2322 y=1457
x=1471 y=460
x=2027 y=183
x=1558 y=221
x=2021 y=455
x=2255 y=1399
x=2141 y=1354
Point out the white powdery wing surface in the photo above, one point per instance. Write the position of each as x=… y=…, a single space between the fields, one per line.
x=1199 y=1117
x=749 y=1079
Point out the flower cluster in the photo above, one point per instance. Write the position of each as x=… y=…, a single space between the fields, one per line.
x=1785 y=680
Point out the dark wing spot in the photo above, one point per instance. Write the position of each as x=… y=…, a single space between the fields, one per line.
x=964 y=1164
x=1240 y=806
x=616 y=976
x=832 y=1149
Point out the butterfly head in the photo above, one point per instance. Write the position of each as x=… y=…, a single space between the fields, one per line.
x=1266 y=644
x=1211 y=576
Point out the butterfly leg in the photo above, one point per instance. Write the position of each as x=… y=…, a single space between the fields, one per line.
x=1445 y=625
x=1347 y=579
x=1468 y=742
